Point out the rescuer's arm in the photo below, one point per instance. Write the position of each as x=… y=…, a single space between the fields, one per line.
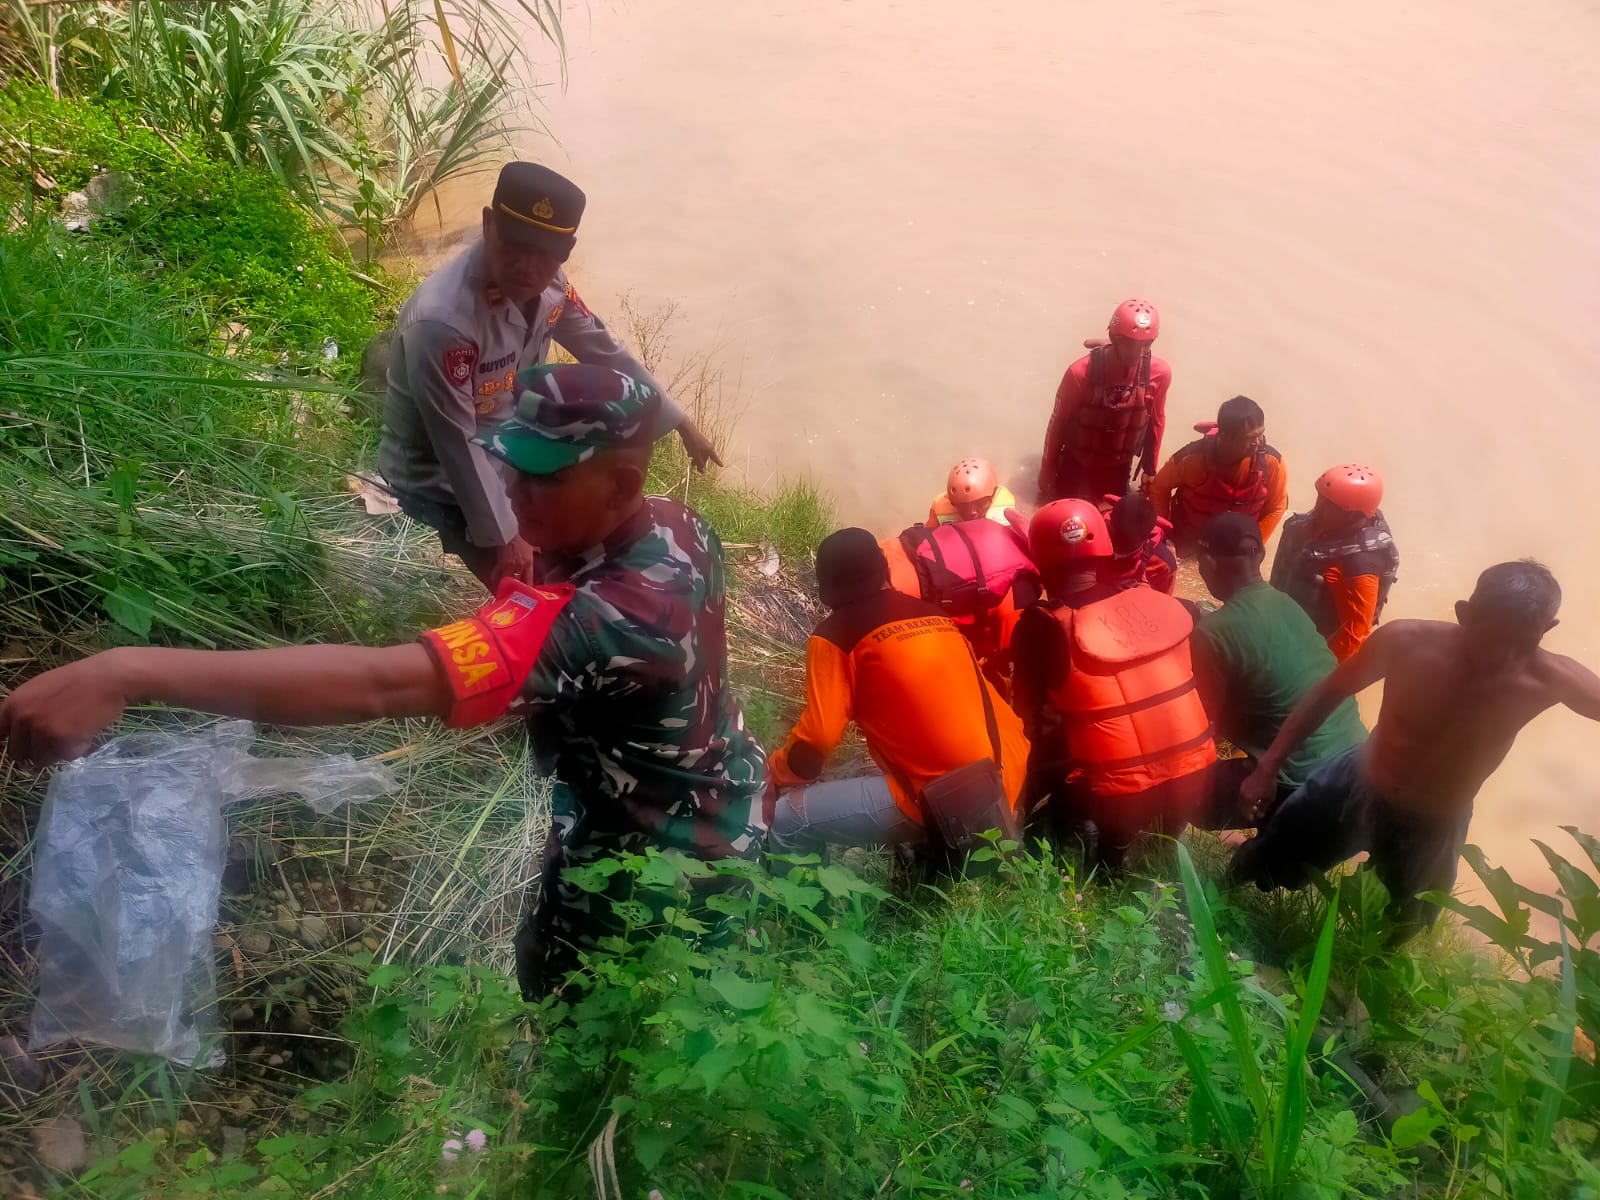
x=1164 y=484
x=58 y=714
x=827 y=714
x=1055 y=436
x=1033 y=651
x=1355 y=608
x=1277 y=496
x=1365 y=668
x=1150 y=459
x=1574 y=684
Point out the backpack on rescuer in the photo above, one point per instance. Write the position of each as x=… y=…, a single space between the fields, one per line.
x=966 y=567
x=1302 y=561
x=1111 y=424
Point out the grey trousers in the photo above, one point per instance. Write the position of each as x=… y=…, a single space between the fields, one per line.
x=842 y=812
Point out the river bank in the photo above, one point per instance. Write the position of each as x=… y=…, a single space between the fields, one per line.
x=834 y=1032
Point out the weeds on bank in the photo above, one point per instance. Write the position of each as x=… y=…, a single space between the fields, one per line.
x=807 y=1034
x=361 y=113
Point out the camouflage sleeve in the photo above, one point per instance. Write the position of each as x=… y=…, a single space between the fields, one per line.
x=441 y=364
x=585 y=336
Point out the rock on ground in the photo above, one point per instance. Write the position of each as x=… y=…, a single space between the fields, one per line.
x=61 y=1145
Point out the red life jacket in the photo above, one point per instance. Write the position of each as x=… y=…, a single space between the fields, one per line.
x=1110 y=426
x=1131 y=716
x=966 y=567
x=1195 y=504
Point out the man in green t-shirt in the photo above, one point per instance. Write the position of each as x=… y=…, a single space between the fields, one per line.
x=1254 y=658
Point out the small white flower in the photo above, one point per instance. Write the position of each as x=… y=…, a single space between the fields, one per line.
x=863 y=1046
x=299 y=268
x=1172 y=1011
x=1077 y=898
x=655 y=1194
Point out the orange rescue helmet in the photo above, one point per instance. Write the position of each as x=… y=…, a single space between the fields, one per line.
x=1064 y=530
x=1135 y=319
x=971 y=479
x=1352 y=487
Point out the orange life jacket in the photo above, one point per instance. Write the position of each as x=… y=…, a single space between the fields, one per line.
x=1195 y=504
x=1130 y=713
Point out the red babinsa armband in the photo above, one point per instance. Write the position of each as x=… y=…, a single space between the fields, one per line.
x=488 y=657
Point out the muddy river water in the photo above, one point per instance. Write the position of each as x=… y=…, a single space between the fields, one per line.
x=894 y=221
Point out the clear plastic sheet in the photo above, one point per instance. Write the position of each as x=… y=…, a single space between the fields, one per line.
x=128 y=874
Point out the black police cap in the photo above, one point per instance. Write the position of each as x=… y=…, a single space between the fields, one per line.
x=536 y=207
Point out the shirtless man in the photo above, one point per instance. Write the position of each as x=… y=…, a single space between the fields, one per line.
x=1454 y=700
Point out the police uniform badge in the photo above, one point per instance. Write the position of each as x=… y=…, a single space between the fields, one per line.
x=458 y=363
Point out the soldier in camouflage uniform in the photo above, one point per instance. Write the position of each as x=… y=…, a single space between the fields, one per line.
x=618 y=656
x=628 y=704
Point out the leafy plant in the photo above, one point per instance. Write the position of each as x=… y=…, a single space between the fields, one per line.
x=360 y=120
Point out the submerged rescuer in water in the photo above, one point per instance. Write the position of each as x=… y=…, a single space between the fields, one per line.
x=1455 y=697
x=619 y=655
x=461 y=339
x=1110 y=412
x=1339 y=560
x=1230 y=469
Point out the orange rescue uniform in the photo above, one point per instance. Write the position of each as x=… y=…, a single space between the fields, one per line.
x=1191 y=470
x=904 y=673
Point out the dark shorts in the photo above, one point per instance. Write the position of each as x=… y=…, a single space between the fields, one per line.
x=1335 y=815
x=444 y=518
x=449 y=522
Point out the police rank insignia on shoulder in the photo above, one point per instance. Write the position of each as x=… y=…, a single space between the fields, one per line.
x=458 y=363
x=576 y=301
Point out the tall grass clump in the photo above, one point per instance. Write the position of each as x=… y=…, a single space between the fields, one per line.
x=176 y=494
x=360 y=117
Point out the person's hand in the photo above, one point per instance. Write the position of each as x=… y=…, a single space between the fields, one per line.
x=1142 y=481
x=1094 y=343
x=1258 y=791
x=57 y=715
x=514 y=559
x=698 y=446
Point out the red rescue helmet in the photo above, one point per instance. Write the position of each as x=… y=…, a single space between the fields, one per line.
x=1353 y=488
x=1064 y=530
x=1135 y=319
x=971 y=479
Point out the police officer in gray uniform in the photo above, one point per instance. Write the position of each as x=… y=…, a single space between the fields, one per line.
x=461 y=339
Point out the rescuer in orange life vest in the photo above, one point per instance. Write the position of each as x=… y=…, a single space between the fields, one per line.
x=1230 y=469
x=972 y=491
x=1110 y=411
x=1339 y=560
x=951 y=754
x=1133 y=751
